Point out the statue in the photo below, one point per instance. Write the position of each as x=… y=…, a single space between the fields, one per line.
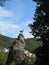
x=17 y=52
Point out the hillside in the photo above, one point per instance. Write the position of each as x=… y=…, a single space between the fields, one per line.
x=5 y=41
x=31 y=44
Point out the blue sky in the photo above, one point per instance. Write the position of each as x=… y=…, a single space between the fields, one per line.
x=15 y=16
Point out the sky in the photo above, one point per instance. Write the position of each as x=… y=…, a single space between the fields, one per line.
x=15 y=16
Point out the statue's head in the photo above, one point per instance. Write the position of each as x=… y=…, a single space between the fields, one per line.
x=20 y=37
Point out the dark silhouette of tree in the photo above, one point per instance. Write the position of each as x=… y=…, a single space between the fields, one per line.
x=2 y=2
x=40 y=27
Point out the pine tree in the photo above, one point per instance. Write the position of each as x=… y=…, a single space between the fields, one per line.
x=40 y=28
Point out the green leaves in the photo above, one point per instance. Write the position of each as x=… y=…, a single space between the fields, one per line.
x=3 y=57
x=2 y=2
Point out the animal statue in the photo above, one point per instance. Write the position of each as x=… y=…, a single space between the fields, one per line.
x=17 y=52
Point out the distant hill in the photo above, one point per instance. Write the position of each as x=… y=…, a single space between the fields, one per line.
x=5 y=41
x=31 y=43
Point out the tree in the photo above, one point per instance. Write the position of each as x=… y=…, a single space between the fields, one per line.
x=40 y=28
x=2 y=2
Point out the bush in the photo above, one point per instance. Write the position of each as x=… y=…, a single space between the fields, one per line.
x=3 y=57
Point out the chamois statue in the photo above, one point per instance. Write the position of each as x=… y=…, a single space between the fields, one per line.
x=17 y=52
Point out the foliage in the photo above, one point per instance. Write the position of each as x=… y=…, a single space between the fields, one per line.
x=40 y=28
x=3 y=57
x=5 y=41
x=2 y=2
x=32 y=44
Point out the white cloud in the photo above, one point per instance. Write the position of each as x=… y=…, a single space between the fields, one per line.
x=6 y=28
x=12 y=30
x=5 y=13
x=27 y=22
x=27 y=34
x=6 y=25
x=27 y=29
x=8 y=13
